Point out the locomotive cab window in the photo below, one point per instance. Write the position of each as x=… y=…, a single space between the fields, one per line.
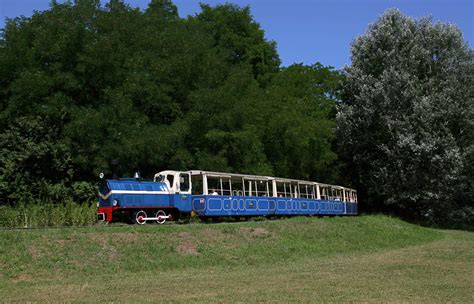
x=184 y=182
x=169 y=180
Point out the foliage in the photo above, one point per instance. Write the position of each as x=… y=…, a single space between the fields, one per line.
x=406 y=120
x=48 y=215
x=83 y=84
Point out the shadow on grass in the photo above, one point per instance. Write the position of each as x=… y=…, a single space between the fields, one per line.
x=425 y=222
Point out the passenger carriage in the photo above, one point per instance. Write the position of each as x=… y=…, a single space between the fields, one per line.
x=178 y=194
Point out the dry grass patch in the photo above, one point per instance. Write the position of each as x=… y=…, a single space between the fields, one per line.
x=257 y=232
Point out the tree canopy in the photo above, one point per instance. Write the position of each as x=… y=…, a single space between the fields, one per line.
x=83 y=84
x=406 y=124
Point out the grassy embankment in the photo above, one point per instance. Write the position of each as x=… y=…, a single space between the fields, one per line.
x=48 y=215
x=367 y=258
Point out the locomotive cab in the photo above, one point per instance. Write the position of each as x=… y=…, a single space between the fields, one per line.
x=178 y=182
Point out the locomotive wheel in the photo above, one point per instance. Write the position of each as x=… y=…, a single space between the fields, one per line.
x=138 y=218
x=160 y=213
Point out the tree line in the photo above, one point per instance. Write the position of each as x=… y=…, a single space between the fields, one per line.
x=82 y=85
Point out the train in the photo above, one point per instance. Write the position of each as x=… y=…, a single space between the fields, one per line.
x=173 y=195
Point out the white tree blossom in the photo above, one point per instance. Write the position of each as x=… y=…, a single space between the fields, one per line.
x=405 y=121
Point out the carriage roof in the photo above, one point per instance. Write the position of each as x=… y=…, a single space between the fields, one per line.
x=261 y=177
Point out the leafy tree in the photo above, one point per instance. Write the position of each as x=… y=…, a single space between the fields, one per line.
x=405 y=114
x=34 y=164
x=299 y=122
x=83 y=84
x=239 y=39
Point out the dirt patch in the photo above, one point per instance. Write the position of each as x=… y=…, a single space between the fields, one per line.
x=45 y=247
x=187 y=244
x=184 y=235
x=108 y=244
x=34 y=251
x=125 y=237
x=187 y=247
x=255 y=232
x=213 y=234
x=22 y=278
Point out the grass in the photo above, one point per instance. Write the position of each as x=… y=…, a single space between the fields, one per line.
x=362 y=259
x=48 y=215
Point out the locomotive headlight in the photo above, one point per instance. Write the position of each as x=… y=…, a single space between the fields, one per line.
x=97 y=204
x=115 y=202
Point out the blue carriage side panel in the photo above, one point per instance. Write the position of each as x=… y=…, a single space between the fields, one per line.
x=216 y=205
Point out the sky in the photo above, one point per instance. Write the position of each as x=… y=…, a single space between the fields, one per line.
x=307 y=31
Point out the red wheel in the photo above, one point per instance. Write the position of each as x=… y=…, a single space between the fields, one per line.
x=159 y=215
x=140 y=217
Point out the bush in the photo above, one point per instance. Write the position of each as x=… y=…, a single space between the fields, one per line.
x=48 y=215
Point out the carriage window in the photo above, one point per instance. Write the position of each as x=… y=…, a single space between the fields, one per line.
x=330 y=193
x=312 y=191
x=303 y=191
x=262 y=188
x=280 y=189
x=184 y=182
x=284 y=189
x=296 y=191
x=197 y=184
x=214 y=185
x=237 y=186
x=226 y=186
x=336 y=194
x=324 y=193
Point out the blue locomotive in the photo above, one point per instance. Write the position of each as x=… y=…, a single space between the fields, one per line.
x=206 y=194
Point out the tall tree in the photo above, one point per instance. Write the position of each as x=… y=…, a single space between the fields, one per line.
x=405 y=117
x=299 y=122
x=239 y=39
x=82 y=84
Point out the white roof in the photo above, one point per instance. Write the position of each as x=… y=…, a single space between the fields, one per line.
x=260 y=177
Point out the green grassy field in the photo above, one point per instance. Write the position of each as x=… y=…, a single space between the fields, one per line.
x=305 y=259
